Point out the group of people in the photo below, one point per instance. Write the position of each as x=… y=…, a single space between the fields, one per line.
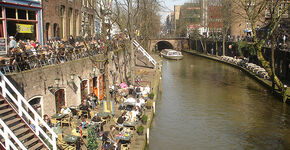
x=29 y=54
x=131 y=101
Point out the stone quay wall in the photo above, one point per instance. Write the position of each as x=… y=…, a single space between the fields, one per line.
x=34 y=83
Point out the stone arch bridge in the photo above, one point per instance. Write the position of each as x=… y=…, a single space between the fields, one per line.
x=168 y=43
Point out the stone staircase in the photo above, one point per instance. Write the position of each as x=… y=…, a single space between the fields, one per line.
x=21 y=127
x=18 y=126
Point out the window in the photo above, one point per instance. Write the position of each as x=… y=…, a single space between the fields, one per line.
x=10 y=13
x=21 y=14
x=0 y=12
x=31 y=15
x=1 y=29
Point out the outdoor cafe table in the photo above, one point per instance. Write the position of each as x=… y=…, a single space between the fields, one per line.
x=124 y=137
x=129 y=124
x=58 y=116
x=71 y=139
x=104 y=114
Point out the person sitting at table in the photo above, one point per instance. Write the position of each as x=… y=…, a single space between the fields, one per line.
x=93 y=99
x=83 y=123
x=97 y=119
x=121 y=119
x=111 y=137
x=85 y=106
x=47 y=120
x=138 y=112
x=130 y=117
x=65 y=110
x=135 y=113
x=142 y=101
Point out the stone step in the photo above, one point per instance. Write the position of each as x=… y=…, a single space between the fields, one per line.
x=25 y=137
x=9 y=116
x=30 y=142
x=11 y=122
x=37 y=146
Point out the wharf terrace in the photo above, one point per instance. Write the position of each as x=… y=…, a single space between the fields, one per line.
x=116 y=121
x=28 y=54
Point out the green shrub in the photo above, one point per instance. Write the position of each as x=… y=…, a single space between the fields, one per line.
x=151 y=95
x=92 y=138
x=144 y=119
x=140 y=130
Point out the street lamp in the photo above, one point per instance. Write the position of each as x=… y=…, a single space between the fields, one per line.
x=51 y=88
x=71 y=83
x=56 y=82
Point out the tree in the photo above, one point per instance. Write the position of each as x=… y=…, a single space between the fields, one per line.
x=227 y=19
x=126 y=14
x=254 y=12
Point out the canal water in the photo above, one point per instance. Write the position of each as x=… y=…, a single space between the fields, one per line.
x=208 y=105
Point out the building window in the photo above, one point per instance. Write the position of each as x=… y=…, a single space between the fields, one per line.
x=31 y=15
x=1 y=29
x=21 y=14
x=10 y=13
x=0 y=12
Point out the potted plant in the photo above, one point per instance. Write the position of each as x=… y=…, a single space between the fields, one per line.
x=92 y=138
x=151 y=95
x=144 y=119
x=140 y=130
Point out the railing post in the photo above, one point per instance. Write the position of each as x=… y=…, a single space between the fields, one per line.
x=36 y=125
x=6 y=137
x=3 y=86
x=54 y=143
x=20 y=106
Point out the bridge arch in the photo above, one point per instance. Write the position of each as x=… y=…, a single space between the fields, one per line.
x=171 y=43
x=163 y=45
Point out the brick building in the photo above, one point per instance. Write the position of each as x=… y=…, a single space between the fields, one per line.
x=61 y=18
x=21 y=19
x=88 y=17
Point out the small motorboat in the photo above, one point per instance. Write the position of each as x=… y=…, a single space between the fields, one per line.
x=171 y=54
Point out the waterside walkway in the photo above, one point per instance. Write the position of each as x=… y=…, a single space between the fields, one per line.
x=264 y=82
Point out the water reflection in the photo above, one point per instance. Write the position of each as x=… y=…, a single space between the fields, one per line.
x=209 y=105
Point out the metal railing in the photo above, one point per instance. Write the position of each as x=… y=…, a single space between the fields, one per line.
x=22 y=108
x=41 y=60
x=140 y=48
x=6 y=134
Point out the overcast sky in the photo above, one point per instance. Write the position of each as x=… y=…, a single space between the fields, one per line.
x=168 y=6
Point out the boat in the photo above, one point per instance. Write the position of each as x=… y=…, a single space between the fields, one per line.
x=171 y=54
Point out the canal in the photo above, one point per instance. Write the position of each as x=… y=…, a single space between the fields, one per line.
x=209 y=105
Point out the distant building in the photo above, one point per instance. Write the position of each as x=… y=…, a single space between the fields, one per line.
x=176 y=16
x=189 y=18
x=61 y=19
x=214 y=16
x=21 y=19
x=88 y=17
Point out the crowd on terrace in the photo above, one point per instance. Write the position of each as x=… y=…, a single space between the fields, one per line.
x=115 y=122
x=29 y=54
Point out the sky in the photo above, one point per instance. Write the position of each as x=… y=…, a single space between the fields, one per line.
x=168 y=6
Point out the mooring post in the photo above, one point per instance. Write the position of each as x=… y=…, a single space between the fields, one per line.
x=147 y=135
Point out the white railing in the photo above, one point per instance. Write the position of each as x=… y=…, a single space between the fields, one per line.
x=140 y=48
x=6 y=134
x=23 y=107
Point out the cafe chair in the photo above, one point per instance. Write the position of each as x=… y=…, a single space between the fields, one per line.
x=66 y=120
x=85 y=113
x=124 y=147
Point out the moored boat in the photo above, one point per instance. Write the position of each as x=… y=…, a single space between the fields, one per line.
x=171 y=54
